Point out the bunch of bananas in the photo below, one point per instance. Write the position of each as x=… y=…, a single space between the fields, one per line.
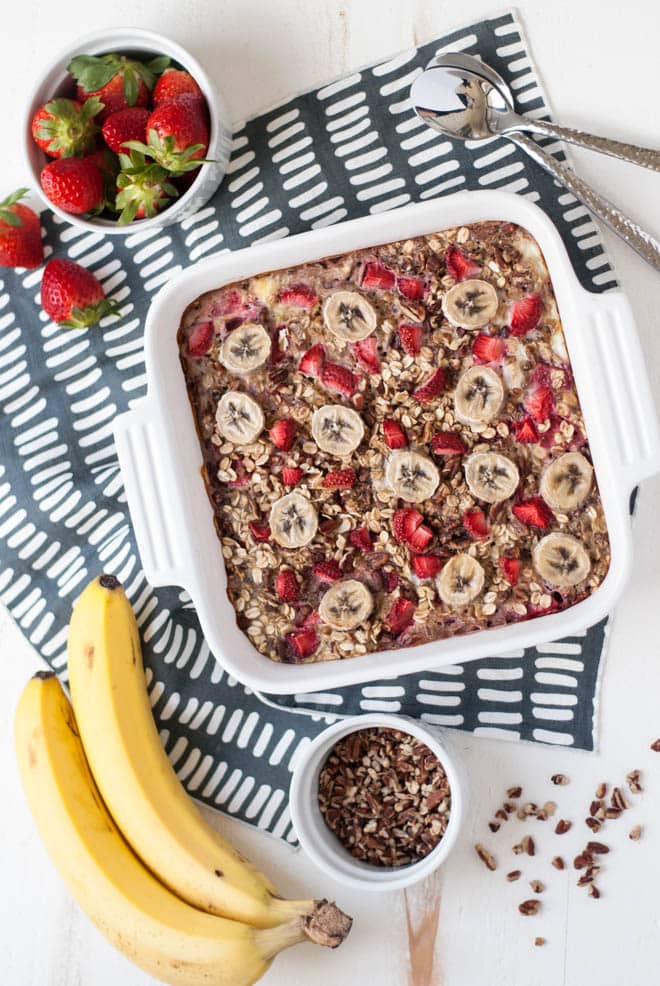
x=136 y=853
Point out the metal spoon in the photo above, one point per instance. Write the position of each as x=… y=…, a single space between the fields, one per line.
x=460 y=97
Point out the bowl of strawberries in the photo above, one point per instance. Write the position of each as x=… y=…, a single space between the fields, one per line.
x=126 y=131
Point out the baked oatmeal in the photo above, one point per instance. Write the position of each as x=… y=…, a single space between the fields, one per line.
x=393 y=445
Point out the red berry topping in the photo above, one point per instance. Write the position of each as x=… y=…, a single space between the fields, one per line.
x=525 y=430
x=459 y=266
x=312 y=361
x=339 y=379
x=20 y=233
x=298 y=296
x=291 y=475
x=420 y=538
x=283 y=433
x=312 y=619
x=539 y=402
x=488 y=349
x=534 y=512
x=447 y=443
x=475 y=523
x=412 y=288
x=405 y=522
x=286 y=586
x=510 y=569
x=377 y=276
x=432 y=388
x=260 y=532
x=525 y=314
x=328 y=571
x=175 y=82
x=394 y=434
x=200 y=338
x=426 y=566
x=390 y=579
x=366 y=352
x=360 y=538
x=303 y=642
x=339 y=479
x=411 y=338
x=400 y=616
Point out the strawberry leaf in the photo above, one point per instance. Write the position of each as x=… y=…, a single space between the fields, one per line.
x=158 y=64
x=6 y=215
x=131 y=86
x=80 y=318
x=91 y=72
x=91 y=108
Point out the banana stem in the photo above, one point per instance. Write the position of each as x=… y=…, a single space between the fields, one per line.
x=272 y=941
x=320 y=922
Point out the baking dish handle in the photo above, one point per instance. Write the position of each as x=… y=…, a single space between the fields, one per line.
x=616 y=359
x=148 y=483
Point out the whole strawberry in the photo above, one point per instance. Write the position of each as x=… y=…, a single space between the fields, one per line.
x=175 y=82
x=74 y=184
x=20 y=233
x=129 y=124
x=118 y=81
x=143 y=189
x=66 y=128
x=177 y=135
x=72 y=296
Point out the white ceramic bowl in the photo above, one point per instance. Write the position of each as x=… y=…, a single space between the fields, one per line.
x=55 y=81
x=322 y=846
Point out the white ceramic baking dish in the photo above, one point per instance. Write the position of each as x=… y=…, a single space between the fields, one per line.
x=161 y=459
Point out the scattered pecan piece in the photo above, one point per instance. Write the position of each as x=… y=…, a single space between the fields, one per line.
x=618 y=799
x=633 y=782
x=529 y=907
x=514 y=875
x=655 y=746
x=514 y=792
x=494 y=826
x=537 y=886
x=593 y=824
x=635 y=833
x=597 y=848
x=562 y=826
x=593 y=891
x=601 y=790
x=485 y=856
x=558 y=863
x=539 y=941
x=559 y=779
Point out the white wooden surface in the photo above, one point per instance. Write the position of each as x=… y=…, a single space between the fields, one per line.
x=599 y=62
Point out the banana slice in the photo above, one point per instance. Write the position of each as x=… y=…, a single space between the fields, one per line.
x=566 y=482
x=460 y=580
x=349 y=315
x=478 y=396
x=337 y=429
x=293 y=520
x=412 y=476
x=490 y=476
x=470 y=304
x=239 y=418
x=245 y=349
x=561 y=560
x=346 y=605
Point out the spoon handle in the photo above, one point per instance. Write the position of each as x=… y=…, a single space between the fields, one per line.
x=645 y=157
x=636 y=237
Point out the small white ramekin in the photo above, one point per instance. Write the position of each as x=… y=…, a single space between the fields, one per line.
x=322 y=846
x=55 y=81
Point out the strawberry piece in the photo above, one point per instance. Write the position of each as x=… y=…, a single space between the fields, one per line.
x=339 y=479
x=20 y=233
x=328 y=571
x=394 y=434
x=412 y=288
x=74 y=184
x=525 y=314
x=176 y=82
x=411 y=338
x=312 y=361
x=129 y=124
x=405 y=522
x=475 y=523
x=459 y=266
x=533 y=610
x=298 y=296
x=488 y=349
x=177 y=135
x=400 y=616
x=366 y=352
x=286 y=585
x=283 y=433
x=232 y=302
x=427 y=566
x=360 y=538
x=510 y=568
x=420 y=538
x=291 y=475
x=143 y=188
x=303 y=642
x=66 y=127
x=390 y=579
x=432 y=387
x=260 y=532
x=447 y=443
x=339 y=379
x=525 y=430
x=376 y=276
x=534 y=512
x=539 y=402
x=200 y=338
x=71 y=295
x=311 y=620
x=242 y=475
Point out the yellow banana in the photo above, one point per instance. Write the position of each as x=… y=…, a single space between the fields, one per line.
x=143 y=794
x=152 y=926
